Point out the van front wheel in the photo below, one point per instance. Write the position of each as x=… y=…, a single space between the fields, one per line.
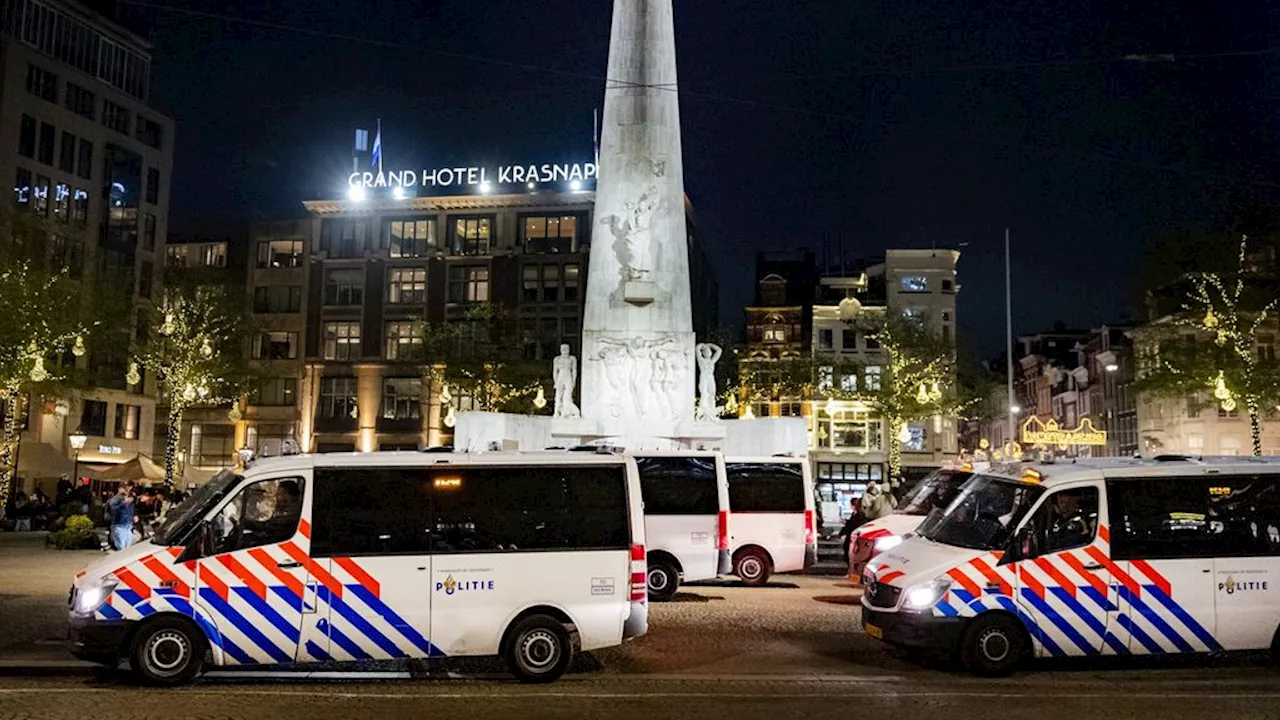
x=752 y=567
x=167 y=652
x=538 y=650
x=993 y=645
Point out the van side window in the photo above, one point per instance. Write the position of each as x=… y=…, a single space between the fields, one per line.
x=1067 y=519
x=1244 y=515
x=765 y=487
x=371 y=511
x=497 y=509
x=678 y=485
x=1159 y=518
x=264 y=513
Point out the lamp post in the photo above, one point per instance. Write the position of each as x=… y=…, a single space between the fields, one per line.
x=77 y=440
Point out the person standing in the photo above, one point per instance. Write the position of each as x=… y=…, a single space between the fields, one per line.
x=122 y=512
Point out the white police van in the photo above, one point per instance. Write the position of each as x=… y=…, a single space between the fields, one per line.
x=686 y=518
x=1095 y=557
x=531 y=556
x=771 y=516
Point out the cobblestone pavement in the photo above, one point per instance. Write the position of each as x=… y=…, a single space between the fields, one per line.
x=33 y=588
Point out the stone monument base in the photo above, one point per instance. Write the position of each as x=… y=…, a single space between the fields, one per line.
x=481 y=432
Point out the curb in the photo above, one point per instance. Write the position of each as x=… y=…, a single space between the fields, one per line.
x=49 y=668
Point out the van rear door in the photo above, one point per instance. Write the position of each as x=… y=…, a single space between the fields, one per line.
x=768 y=500
x=1247 y=566
x=682 y=511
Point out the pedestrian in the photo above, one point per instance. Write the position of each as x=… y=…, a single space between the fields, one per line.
x=122 y=513
x=855 y=521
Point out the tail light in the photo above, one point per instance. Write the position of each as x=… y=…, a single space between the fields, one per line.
x=639 y=572
x=722 y=542
x=810 y=538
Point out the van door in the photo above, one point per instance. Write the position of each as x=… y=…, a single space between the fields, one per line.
x=1064 y=574
x=1161 y=543
x=1244 y=519
x=681 y=512
x=252 y=572
x=372 y=535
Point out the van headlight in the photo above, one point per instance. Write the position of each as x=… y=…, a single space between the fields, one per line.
x=888 y=542
x=923 y=597
x=91 y=596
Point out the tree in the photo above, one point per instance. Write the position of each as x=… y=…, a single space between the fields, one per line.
x=196 y=351
x=478 y=355
x=1220 y=354
x=42 y=316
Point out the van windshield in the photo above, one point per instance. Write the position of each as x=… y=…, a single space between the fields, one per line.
x=937 y=490
x=187 y=514
x=983 y=515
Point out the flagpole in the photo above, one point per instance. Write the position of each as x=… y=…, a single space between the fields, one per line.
x=379 y=146
x=1008 y=319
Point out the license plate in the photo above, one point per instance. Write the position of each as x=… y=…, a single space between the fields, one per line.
x=874 y=631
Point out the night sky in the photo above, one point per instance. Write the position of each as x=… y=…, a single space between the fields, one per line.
x=869 y=125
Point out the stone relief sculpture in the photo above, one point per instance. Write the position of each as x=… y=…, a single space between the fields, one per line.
x=642 y=374
x=564 y=371
x=632 y=238
x=708 y=355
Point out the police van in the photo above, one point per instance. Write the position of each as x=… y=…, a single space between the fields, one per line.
x=686 y=519
x=936 y=490
x=1095 y=557
x=771 y=516
x=394 y=555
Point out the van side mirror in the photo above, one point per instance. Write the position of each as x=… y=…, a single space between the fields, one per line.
x=1022 y=546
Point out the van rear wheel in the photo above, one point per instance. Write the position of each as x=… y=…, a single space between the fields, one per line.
x=663 y=580
x=752 y=567
x=538 y=650
x=167 y=652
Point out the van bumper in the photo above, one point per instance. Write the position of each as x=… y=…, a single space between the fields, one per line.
x=810 y=556
x=637 y=623
x=917 y=631
x=724 y=566
x=100 y=641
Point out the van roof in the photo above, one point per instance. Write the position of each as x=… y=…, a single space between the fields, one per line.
x=1054 y=473
x=431 y=459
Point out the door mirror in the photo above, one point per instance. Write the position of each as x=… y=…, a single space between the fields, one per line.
x=1023 y=546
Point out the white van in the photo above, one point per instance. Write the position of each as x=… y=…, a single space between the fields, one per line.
x=771 y=516
x=1097 y=557
x=686 y=518
x=936 y=490
x=531 y=556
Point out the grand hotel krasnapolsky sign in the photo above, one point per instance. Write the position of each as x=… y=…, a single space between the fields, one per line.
x=453 y=177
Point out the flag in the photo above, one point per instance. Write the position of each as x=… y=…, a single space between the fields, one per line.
x=375 y=160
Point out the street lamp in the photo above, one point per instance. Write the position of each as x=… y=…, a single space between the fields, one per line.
x=1111 y=367
x=77 y=440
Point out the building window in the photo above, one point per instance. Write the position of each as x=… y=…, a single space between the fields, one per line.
x=914 y=315
x=271 y=299
x=472 y=235
x=572 y=279
x=915 y=283
x=80 y=101
x=826 y=378
x=468 y=284
x=40 y=196
x=61 y=203
x=22 y=186
x=212 y=445
x=550 y=233
x=1195 y=443
x=411 y=238
x=404 y=340
x=337 y=397
x=342 y=341
x=1228 y=414
x=93 y=418
x=344 y=286
x=826 y=339
x=144 y=278
x=276 y=392
x=1229 y=446
x=276 y=345
x=849 y=340
x=116 y=117
x=344 y=237
x=153 y=186
x=948 y=285
x=84 y=161
x=407 y=286
x=946 y=333
x=175 y=256
x=873 y=378
x=42 y=83
x=213 y=255
x=918 y=438
x=148 y=232
x=27 y=137
x=530 y=277
x=48 y=135
x=402 y=398
x=80 y=207
x=280 y=254
x=849 y=382
x=775 y=334
x=1266 y=348
x=128 y=421
x=67 y=153
x=150 y=132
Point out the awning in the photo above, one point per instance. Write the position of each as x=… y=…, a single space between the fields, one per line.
x=139 y=469
x=42 y=460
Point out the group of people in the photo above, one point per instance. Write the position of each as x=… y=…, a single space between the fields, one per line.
x=876 y=502
x=32 y=512
x=132 y=514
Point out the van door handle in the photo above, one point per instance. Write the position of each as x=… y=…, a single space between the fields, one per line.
x=1094 y=566
x=289 y=565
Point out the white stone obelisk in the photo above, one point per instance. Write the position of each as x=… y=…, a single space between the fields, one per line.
x=637 y=333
